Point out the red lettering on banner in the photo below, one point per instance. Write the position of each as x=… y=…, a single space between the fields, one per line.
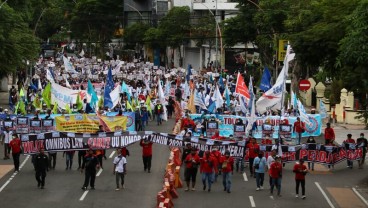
x=311 y=155
x=322 y=156
x=291 y=156
x=99 y=143
x=303 y=153
x=342 y=153
x=329 y=158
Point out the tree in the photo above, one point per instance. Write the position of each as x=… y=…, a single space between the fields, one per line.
x=134 y=34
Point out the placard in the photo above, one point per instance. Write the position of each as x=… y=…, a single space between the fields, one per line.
x=239 y=131
x=35 y=126
x=22 y=125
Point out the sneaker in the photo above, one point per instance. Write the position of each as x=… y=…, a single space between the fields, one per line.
x=257 y=189
x=187 y=189
x=117 y=189
x=84 y=188
x=228 y=191
x=204 y=187
x=297 y=196
x=193 y=189
x=92 y=188
x=303 y=197
x=261 y=188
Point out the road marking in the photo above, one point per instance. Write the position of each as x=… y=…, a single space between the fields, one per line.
x=112 y=154
x=324 y=194
x=99 y=172
x=83 y=196
x=272 y=197
x=13 y=175
x=245 y=176
x=252 y=203
x=360 y=196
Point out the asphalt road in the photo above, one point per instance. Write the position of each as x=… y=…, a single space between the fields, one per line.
x=324 y=188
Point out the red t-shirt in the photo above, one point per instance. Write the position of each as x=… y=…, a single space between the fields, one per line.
x=329 y=133
x=275 y=169
x=229 y=164
x=208 y=164
x=299 y=126
x=147 y=148
x=253 y=150
x=350 y=141
x=188 y=160
x=15 y=145
x=266 y=141
x=298 y=170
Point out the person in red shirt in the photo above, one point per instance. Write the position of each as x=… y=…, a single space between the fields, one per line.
x=276 y=175
x=253 y=149
x=217 y=136
x=299 y=128
x=207 y=168
x=266 y=140
x=125 y=152
x=146 y=154
x=349 y=141
x=191 y=168
x=300 y=171
x=329 y=134
x=227 y=165
x=188 y=123
x=217 y=156
x=16 y=148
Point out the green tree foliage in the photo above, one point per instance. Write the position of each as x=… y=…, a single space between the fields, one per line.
x=134 y=34
x=203 y=30
x=17 y=42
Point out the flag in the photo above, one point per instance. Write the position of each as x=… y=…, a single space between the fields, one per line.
x=186 y=90
x=265 y=80
x=81 y=54
x=191 y=105
x=241 y=88
x=211 y=78
x=293 y=99
x=148 y=104
x=303 y=114
x=39 y=84
x=198 y=101
x=46 y=95
x=109 y=86
x=211 y=106
x=218 y=98
x=227 y=96
x=322 y=109
x=243 y=104
x=129 y=106
x=55 y=108
x=252 y=108
x=49 y=76
x=67 y=83
x=221 y=82
x=22 y=107
x=32 y=86
x=189 y=72
x=124 y=88
x=251 y=93
x=68 y=66
x=91 y=91
x=167 y=88
x=67 y=109
x=273 y=98
x=79 y=102
x=161 y=97
x=37 y=102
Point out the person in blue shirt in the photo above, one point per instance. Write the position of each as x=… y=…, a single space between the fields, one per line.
x=144 y=117
x=259 y=167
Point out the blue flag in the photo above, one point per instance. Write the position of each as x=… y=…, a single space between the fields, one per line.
x=109 y=86
x=189 y=72
x=221 y=82
x=124 y=88
x=227 y=96
x=266 y=80
x=92 y=93
x=212 y=106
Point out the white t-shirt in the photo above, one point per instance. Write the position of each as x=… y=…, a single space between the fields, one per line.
x=119 y=161
x=270 y=160
x=8 y=137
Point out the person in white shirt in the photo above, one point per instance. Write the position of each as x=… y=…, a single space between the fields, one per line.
x=8 y=135
x=270 y=160
x=119 y=169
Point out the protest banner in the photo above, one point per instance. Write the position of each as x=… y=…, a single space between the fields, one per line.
x=64 y=96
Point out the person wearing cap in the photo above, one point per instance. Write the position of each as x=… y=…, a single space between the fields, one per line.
x=191 y=168
x=16 y=147
x=159 y=110
x=362 y=143
x=41 y=166
x=299 y=129
x=276 y=175
x=329 y=134
x=227 y=166
x=349 y=141
x=300 y=171
x=259 y=168
x=90 y=164
x=146 y=153
x=207 y=169
x=119 y=169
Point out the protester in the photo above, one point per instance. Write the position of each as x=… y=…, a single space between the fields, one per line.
x=159 y=110
x=349 y=141
x=276 y=175
x=299 y=128
x=217 y=156
x=16 y=148
x=259 y=167
x=81 y=154
x=192 y=162
x=253 y=149
x=362 y=143
x=300 y=171
x=227 y=165
x=119 y=169
x=186 y=151
x=41 y=166
x=146 y=154
x=329 y=134
x=270 y=160
x=69 y=159
x=90 y=164
x=207 y=169
x=7 y=137
x=311 y=140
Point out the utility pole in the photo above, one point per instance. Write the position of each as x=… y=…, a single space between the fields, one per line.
x=216 y=63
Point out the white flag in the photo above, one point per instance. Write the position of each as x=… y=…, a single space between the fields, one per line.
x=322 y=109
x=218 y=98
x=67 y=83
x=198 y=101
x=68 y=66
x=303 y=114
x=49 y=76
x=161 y=97
x=273 y=98
x=81 y=53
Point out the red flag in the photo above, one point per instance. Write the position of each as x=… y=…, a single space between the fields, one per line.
x=241 y=88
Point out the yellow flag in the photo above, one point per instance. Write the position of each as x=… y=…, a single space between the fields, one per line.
x=128 y=106
x=67 y=109
x=148 y=103
x=191 y=105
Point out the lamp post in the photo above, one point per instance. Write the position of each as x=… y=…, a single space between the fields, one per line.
x=3 y=3
x=135 y=9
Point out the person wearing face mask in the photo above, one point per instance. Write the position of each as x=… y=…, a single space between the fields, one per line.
x=227 y=165
x=259 y=168
x=191 y=161
x=208 y=168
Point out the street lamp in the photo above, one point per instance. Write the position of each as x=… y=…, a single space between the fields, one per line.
x=3 y=3
x=140 y=14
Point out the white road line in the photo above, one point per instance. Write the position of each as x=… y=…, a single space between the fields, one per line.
x=324 y=194
x=13 y=175
x=360 y=196
x=245 y=176
x=272 y=198
x=99 y=172
x=83 y=196
x=112 y=154
x=252 y=203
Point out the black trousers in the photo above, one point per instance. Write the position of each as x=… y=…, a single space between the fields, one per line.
x=147 y=162
x=99 y=157
x=298 y=182
x=80 y=158
x=40 y=177
x=89 y=178
x=16 y=161
x=52 y=157
x=251 y=160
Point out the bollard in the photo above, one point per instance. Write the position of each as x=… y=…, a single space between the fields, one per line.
x=178 y=183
